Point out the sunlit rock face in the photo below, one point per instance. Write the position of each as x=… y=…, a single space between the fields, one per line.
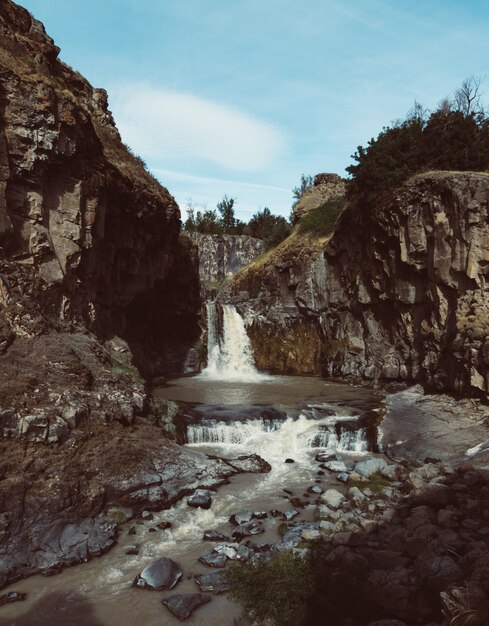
x=221 y=256
x=399 y=295
x=326 y=188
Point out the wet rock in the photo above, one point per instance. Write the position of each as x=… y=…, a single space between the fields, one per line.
x=260 y=514
x=213 y=559
x=241 y=517
x=289 y=515
x=214 y=535
x=335 y=466
x=12 y=596
x=289 y=461
x=217 y=582
x=257 y=547
x=332 y=498
x=132 y=551
x=201 y=498
x=315 y=489
x=161 y=574
x=183 y=605
x=132 y=530
x=234 y=551
x=325 y=456
x=254 y=527
x=275 y=513
x=164 y=525
x=146 y=515
x=250 y=463
x=151 y=530
x=343 y=477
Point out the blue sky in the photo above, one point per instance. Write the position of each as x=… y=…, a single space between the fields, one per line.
x=241 y=97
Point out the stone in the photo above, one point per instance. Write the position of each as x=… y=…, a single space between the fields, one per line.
x=214 y=583
x=12 y=596
x=132 y=551
x=213 y=559
x=356 y=495
x=160 y=574
x=333 y=498
x=289 y=461
x=335 y=466
x=315 y=489
x=183 y=605
x=214 y=535
x=254 y=527
x=164 y=525
x=201 y=498
x=370 y=466
x=289 y=515
x=241 y=517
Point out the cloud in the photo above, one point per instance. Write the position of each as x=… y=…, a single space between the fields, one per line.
x=168 y=126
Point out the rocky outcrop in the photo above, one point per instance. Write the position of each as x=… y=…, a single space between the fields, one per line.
x=221 y=256
x=327 y=188
x=398 y=295
x=90 y=240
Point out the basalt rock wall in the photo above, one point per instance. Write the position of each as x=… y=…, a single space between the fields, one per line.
x=396 y=295
x=89 y=239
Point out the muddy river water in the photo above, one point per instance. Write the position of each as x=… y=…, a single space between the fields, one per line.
x=277 y=417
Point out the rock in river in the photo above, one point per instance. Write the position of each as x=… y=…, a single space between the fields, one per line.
x=245 y=530
x=182 y=605
x=11 y=596
x=214 y=535
x=241 y=517
x=216 y=582
x=213 y=559
x=161 y=574
x=201 y=498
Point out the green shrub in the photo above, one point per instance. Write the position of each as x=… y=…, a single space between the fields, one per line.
x=321 y=221
x=277 y=589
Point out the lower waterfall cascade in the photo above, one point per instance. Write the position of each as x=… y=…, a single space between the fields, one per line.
x=229 y=351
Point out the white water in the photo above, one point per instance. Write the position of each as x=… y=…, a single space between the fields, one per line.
x=277 y=440
x=230 y=355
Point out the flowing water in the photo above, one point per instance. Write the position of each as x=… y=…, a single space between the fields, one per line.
x=230 y=409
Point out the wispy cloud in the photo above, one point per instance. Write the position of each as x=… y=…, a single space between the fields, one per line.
x=171 y=175
x=166 y=126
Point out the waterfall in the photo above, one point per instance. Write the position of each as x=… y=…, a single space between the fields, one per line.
x=276 y=440
x=229 y=351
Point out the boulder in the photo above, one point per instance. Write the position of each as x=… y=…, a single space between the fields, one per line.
x=254 y=527
x=183 y=605
x=370 y=466
x=201 y=498
x=161 y=574
x=217 y=582
x=332 y=498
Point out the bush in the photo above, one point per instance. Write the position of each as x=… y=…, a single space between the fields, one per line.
x=321 y=221
x=453 y=137
x=277 y=589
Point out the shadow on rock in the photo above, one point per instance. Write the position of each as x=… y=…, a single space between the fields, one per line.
x=57 y=609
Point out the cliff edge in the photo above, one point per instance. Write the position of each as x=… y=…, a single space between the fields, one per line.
x=399 y=295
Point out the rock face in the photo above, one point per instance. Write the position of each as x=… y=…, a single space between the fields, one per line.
x=89 y=238
x=221 y=256
x=399 y=295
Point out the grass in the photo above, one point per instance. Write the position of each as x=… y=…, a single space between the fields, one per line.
x=321 y=221
x=275 y=590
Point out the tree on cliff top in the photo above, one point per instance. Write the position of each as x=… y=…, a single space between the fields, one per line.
x=453 y=137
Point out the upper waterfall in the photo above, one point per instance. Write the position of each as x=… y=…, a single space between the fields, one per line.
x=229 y=351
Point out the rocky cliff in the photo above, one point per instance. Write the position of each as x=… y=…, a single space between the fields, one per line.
x=399 y=295
x=94 y=279
x=221 y=256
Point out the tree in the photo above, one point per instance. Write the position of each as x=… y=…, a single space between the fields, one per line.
x=306 y=183
x=226 y=210
x=272 y=229
x=468 y=97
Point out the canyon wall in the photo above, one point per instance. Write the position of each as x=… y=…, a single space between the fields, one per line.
x=89 y=239
x=398 y=295
x=221 y=256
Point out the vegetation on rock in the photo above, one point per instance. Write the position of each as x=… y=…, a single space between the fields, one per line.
x=453 y=137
